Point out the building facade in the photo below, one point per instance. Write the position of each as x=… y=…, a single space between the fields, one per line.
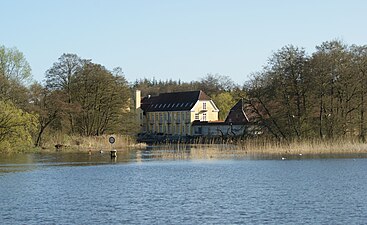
x=174 y=113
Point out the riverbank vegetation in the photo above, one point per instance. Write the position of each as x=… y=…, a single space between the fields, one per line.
x=75 y=143
x=302 y=101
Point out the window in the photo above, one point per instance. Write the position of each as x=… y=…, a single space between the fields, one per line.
x=198 y=130
x=204 y=116
x=196 y=116
x=204 y=105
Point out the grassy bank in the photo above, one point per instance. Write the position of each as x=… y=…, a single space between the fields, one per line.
x=259 y=149
x=315 y=147
x=261 y=146
x=339 y=146
x=240 y=147
x=67 y=143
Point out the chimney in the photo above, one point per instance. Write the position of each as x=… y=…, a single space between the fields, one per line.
x=137 y=99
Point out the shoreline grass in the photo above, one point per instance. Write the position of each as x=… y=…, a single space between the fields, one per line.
x=240 y=147
x=262 y=149
x=316 y=146
x=91 y=143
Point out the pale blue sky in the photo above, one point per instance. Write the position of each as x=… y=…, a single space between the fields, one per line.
x=178 y=39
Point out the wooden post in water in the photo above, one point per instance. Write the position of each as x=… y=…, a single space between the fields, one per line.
x=113 y=151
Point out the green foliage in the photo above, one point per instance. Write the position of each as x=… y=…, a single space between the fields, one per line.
x=210 y=84
x=14 y=66
x=15 y=73
x=154 y=87
x=16 y=125
x=224 y=101
x=296 y=96
x=16 y=128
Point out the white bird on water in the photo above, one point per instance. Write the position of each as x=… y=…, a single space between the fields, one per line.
x=283 y=158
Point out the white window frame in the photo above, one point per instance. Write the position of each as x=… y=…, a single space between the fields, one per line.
x=197 y=116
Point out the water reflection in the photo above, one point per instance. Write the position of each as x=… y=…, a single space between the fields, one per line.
x=16 y=162
x=25 y=162
x=220 y=152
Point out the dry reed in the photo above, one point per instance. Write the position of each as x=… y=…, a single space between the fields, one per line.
x=257 y=148
x=316 y=146
x=91 y=143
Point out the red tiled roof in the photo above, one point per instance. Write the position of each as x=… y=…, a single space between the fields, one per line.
x=237 y=114
x=175 y=101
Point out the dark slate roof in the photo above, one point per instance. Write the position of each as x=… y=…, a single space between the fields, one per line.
x=175 y=101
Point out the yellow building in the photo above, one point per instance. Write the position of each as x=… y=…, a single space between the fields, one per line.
x=174 y=113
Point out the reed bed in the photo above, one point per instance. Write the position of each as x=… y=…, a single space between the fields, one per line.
x=258 y=148
x=209 y=149
x=269 y=146
x=316 y=146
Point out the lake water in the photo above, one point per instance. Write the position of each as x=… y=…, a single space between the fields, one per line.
x=166 y=187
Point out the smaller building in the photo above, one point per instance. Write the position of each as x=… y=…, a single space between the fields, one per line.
x=241 y=121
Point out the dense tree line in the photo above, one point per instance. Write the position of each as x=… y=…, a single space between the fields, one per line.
x=295 y=96
x=322 y=95
x=85 y=98
x=16 y=125
x=79 y=97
